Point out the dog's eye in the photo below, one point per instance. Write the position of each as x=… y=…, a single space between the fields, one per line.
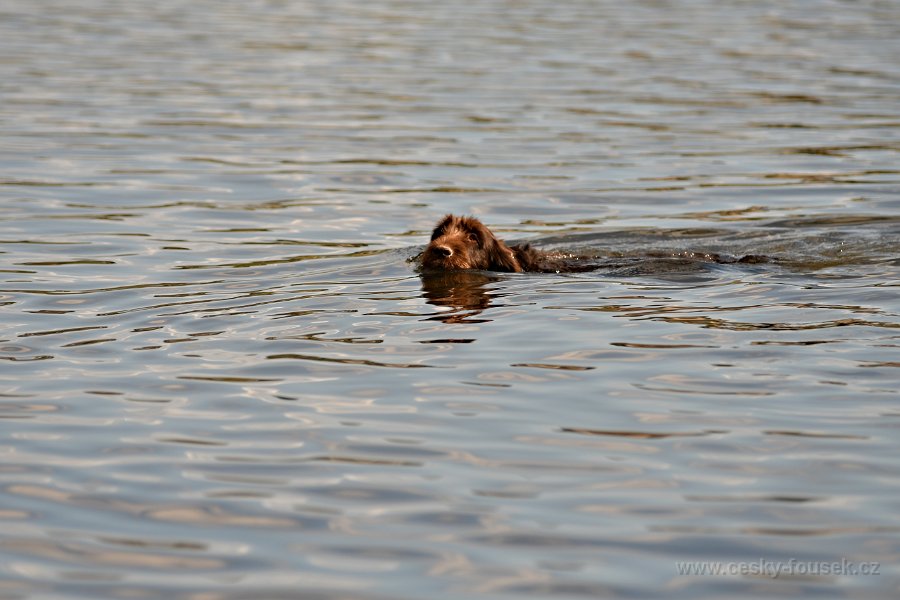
x=472 y=238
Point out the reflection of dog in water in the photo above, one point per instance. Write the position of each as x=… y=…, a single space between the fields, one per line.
x=465 y=292
x=459 y=243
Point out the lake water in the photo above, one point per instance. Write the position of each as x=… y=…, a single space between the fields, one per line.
x=223 y=378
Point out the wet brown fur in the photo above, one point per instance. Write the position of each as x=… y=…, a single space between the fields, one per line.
x=465 y=243
x=459 y=243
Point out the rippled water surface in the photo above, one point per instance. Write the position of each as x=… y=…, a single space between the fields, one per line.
x=223 y=377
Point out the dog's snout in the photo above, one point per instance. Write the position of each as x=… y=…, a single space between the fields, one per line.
x=444 y=251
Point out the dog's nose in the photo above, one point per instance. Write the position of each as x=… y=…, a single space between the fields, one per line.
x=444 y=251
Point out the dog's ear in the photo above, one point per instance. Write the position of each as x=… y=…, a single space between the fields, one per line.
x=501 y=257
x=441 y=227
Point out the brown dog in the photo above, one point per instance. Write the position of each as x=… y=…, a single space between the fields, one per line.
x=464 y=243
x=459 y=243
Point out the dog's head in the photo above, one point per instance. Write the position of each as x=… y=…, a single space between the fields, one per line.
x=459 y=243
